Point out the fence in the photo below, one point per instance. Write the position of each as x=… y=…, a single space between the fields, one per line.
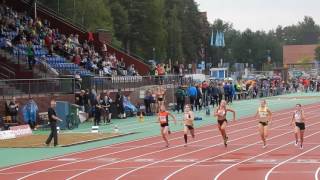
x=23 y=87
x=133 y=82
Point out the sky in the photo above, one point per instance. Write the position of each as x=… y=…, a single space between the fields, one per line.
x=260 y=14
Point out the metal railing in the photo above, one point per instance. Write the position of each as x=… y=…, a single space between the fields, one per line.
x=6 y=72
x=34 y=87
x=133 y=82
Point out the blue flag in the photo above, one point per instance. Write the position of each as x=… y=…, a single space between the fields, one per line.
x=217 y=43
x=211 y=43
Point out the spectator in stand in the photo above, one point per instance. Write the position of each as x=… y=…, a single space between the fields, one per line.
x=104 y=48
x=90 y=38
x=48 y=42
x=132 y=71
x=76 y=57
x=30 y=54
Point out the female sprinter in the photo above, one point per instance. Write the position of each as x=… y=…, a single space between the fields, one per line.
x=297 y=121
x=221 y=114
x=265 y=116
x=188 y=123
x=161 y=96
x=164 y=123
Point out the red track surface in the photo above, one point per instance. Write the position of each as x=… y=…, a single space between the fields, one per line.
x=204 y=158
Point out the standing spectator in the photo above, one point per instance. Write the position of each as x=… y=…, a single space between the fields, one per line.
x=226 y=89
x=97 y=110
x=30 y=111
x=80 y=100
x=205 y=89
x=199 y=98
x=147 y=102
x=180 y=95
x=53 y=124
x=232 y=92
x=30 y=54
x=119 y=103
x=13 y=108
x=106 y=107
x=220 y=92
x=92 y=99
x=192 y=93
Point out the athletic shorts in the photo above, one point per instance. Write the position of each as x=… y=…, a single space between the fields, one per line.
x=164 y=125
x=189 y=127
x=264 y=123
x=222 y=121
x=301 y=126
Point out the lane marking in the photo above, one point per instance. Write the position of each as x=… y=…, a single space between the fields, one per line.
x=283 y=162
x=233 y=125
x=253 y=157
x=284 y=111
x=127 y=173
x=177 y=171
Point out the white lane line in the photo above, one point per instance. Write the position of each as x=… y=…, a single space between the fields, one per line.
x=127 y=142
x=83 y=160
x=253 y=157
x=89 y=170
x=316 y=175
x=283 y=162
x=204 y=160
x=127 y=173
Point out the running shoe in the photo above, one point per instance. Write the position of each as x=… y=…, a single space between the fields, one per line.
x=226 y=141
x=301 y=147
x=296 y=144
x=264 y=146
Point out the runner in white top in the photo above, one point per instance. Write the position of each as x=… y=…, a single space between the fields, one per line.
x=297 y=121
x=188 y=123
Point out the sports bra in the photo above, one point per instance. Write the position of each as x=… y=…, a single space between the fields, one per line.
x=263 y=113
x=221 y=112
x=298 y=116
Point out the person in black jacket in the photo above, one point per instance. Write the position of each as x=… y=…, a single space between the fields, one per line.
x=119 y=103
x=53 y=118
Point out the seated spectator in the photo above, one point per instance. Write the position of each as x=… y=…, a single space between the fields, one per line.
x=132 y=71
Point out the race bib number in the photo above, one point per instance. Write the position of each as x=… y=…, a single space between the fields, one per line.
x=163 y=119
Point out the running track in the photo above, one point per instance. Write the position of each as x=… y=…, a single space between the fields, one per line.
x=204 y=158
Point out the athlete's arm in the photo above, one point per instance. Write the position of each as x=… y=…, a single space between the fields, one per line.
x=302 y=116
x=270 y=115
x=216 y=112
x=292 y=120
x=257 y=113
x=233 y=113
x=173 y=117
